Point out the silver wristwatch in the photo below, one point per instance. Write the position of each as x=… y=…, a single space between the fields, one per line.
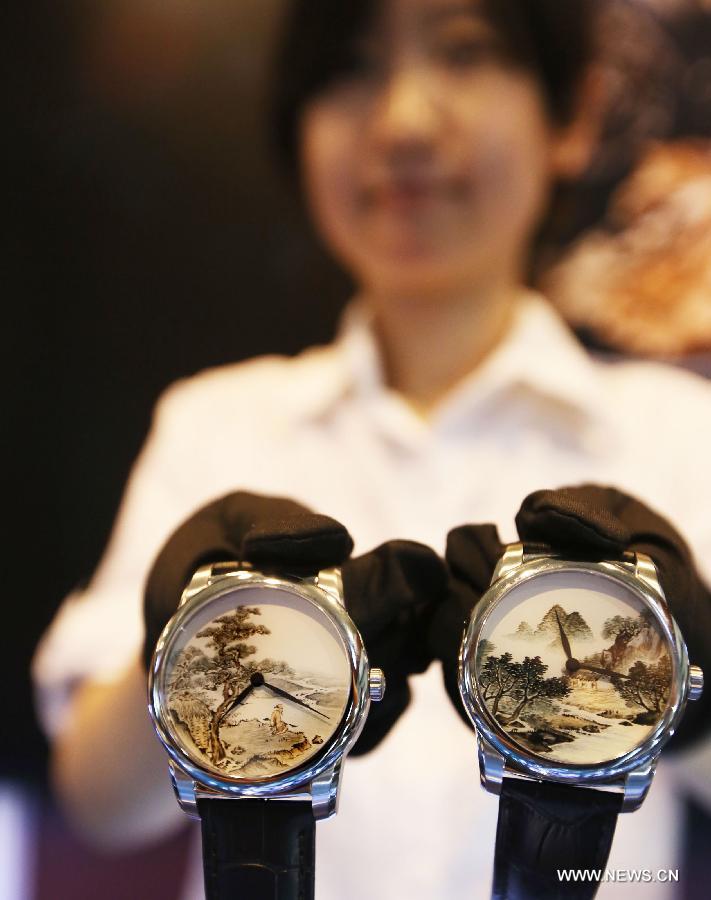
x=575 y=675
x=612 y=680
x=258 y=688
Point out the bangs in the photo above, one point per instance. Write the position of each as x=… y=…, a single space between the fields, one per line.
x=553 y=38
x=318 y=46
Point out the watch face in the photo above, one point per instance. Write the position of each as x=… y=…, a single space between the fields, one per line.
x=574 y=667
x=255 y=683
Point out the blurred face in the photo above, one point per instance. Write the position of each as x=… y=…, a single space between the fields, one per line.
x=428 y=165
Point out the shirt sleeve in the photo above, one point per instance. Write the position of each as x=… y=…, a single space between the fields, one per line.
x=212 y=433
x=97 y=632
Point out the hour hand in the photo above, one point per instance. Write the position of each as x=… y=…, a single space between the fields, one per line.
x=293 y=699
x=563 y=637
x=238 y=699
x=600 y=671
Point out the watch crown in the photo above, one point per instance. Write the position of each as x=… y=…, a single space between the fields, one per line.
x=376 y=684
x=696 y=682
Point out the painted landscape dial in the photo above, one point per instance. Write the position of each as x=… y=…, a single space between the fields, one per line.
x=254 y=689
x=573 y=667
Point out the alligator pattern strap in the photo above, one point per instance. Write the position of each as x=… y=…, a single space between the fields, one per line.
x=544 y=827
x=258 y=849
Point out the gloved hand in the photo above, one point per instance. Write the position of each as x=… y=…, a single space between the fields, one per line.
x=588 y=520
x=389 y=593
x=471 y=555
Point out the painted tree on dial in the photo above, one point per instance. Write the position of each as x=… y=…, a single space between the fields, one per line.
x=531 y=685
x=622 y=628
x=646 y=685
x=228 y=635
x=521 y=682
x=498 y=679
x=191 y=665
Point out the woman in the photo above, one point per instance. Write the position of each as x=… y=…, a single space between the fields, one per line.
x=428 y=135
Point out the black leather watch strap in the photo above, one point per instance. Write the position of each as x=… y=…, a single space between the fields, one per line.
x=532 y=549
x=544 y=827
x=258 y=849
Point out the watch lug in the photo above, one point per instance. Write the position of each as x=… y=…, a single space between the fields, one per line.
x=330 y=580
x=324 y=792
x=511 y=559
x=199 y=581
x=645 y=570
x=184 y=788
x=636 y=786
x=491 y=766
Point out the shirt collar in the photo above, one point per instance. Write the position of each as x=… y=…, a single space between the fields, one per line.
x=538 y=356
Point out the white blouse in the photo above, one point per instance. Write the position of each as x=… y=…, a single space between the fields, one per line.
x=324 y=429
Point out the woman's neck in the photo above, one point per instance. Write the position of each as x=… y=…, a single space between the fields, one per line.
x=429 y=344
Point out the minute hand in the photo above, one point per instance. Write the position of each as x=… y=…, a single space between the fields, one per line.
x=293 y=699
x=237 y=700
x=563 y=637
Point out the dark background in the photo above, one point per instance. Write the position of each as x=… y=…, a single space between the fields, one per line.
x=150 y=237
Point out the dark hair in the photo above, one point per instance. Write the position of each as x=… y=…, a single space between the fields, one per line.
x=553 y=38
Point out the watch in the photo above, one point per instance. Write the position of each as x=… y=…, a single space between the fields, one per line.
x=258 y=688
x=575 y=675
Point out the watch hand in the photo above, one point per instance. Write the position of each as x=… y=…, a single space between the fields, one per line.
x=256 y=679
x=601 y=671
x=563 y=637
x=238 y=699
x=293 y=699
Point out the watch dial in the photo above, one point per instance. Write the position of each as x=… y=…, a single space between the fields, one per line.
x=573 y=666
x=256 y=683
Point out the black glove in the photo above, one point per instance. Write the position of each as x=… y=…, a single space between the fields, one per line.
x=389 y=592
x=589 y=521
x=472 y=554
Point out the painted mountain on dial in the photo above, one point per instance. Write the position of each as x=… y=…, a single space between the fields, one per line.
x=573 y=624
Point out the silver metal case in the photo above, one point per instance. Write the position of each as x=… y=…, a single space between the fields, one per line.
x=318 y=778
x=498 y=755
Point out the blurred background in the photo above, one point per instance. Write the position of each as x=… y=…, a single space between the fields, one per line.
x=150 y=235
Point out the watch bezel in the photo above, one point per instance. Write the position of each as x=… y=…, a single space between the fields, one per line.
x=530 y=763
x=333 y=749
